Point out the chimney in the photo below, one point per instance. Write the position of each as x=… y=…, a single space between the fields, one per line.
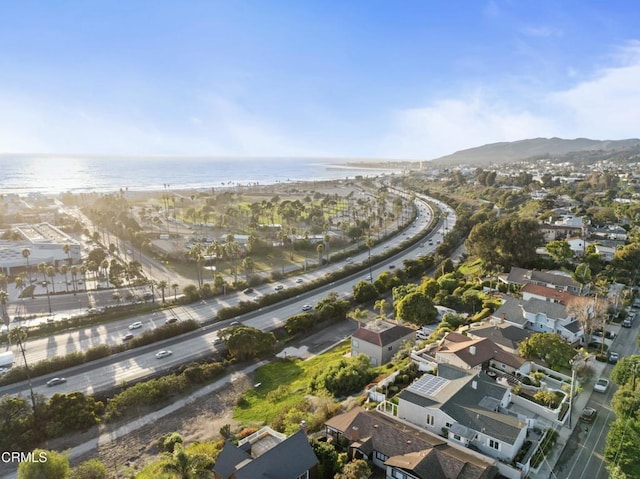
x=472 y=350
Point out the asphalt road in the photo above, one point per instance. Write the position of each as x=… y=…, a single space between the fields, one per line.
x=583 y=456
x=106 y=373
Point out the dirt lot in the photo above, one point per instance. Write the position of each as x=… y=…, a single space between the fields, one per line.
x=201 y=422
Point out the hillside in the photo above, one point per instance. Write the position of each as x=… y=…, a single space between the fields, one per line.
x=507 y=152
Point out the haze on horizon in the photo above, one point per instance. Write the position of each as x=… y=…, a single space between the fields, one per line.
x=362 y=79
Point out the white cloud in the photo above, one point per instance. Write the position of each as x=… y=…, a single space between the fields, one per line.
x=603 y=107
x=543 y=31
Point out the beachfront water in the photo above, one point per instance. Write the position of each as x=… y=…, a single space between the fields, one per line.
x=47 y=174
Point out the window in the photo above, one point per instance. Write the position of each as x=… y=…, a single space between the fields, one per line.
x=456 y=437
x=494 y=444
x=396 y=474
x=430 y=420
x=447 y=424
x=354 y=343
x=390 y=348
x=381 y=457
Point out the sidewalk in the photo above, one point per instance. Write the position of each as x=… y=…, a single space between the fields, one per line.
x=564 y=431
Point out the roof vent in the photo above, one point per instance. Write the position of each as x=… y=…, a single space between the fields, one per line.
x=474 y=384
x=472 y=350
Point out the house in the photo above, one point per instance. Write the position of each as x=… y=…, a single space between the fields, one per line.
x=544 y=293
x=380 y=340
x=267 y=453
x=605 y=252
x=555 y=280
x=405 y=452
x=540 y=316
x=471 y=354
x=471 y=409
x=504 y=335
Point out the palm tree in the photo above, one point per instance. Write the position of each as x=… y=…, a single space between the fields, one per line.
x=188 y=466
x=196 y=253
x=357 y=315
x=67 y=249
x=26 y=252
x=162 y=285
x=51 y=272
x=320 y=251
x=3 y=281
x=64 y=269
x=4 y=299
x=74 y=278
x=248 y=265
x=381 y=305
x=42 y=268
x=18 y=336
x=175 y=287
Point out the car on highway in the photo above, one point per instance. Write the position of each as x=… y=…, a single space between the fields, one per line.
x=171 y=320
x=601 y=385
x=279 y=287
x=248 y=291
x=234 y=323
x=136 y=325
x=127 y=337
x=348 y=260
x=216 y=341
x=56 y=381
x=163 y=354
x=614 y=357
x=588 y=415
x=299 y=280
x=307 y=307
x=392 y=266
x=147 y=296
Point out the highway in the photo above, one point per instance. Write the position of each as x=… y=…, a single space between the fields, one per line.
x=140 y=362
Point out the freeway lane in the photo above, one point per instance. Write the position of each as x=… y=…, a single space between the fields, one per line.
x=141 y=362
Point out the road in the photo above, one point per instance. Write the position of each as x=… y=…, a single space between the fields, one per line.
x=583 y=456
x=140 y=362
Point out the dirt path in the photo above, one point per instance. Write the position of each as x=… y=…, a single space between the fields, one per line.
x=199 y=422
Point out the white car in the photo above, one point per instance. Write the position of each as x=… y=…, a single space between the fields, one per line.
x=307 y=307
x=163 y=354
x=279 y=287
x=601 y=385
x=136 y=325
x=299 y=280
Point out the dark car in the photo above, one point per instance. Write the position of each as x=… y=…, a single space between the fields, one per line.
x=127 y=337
x=248 y=291
x=171 y=320
x=588 y=415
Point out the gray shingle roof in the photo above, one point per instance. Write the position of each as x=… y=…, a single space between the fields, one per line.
x=384 y=336
x=551 y=310
x=511 y=310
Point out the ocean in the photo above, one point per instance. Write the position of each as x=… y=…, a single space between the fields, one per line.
x=23 y=174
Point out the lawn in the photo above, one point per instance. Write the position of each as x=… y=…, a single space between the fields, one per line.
x=282 y=385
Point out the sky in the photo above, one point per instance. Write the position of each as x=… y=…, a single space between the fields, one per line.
x=346 y=79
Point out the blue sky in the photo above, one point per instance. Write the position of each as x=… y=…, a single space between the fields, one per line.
x=358 y=79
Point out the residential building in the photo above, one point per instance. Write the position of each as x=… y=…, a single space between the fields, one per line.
x=267 y=453
x=540 y=316
x=404 y=452
x=556 y=280
x=471 y=409
x=380 y=340
x=506 y=336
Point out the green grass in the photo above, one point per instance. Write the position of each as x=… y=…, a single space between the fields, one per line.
x=283 y=384
x=472 y=269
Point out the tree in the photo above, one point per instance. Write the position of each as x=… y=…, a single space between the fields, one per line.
x=364 y=291
x=358 y=315
x=91 y=469
x=175 y=287
x=504 y=242
x=582 y=275
x=589 y=313
x=381 y=305
x=327 y=459
x=4 y=299
x=162 y=286
x=626 y=402
x=416 y=308
x=46 y=465
x=358 y=469
x=18 y=336
x=548 y=347
x=320 y=251
x=560 y=251
x=188 y=466
x=621 y=448
x=625 y=371
x=244 y=342
x=26 y=252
